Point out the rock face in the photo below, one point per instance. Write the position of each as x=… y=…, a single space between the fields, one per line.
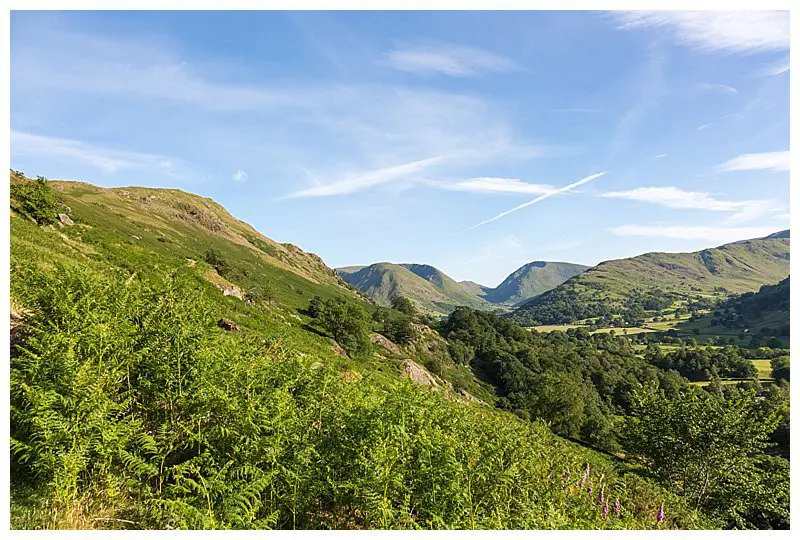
x=227 y=324
x=418 y=374
x=386 y=343
x=65 y=219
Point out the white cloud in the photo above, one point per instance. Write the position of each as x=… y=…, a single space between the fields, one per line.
x=368 y=179
x=447 y=59
x=239 y=176
x=764 y=161
x=692 y=232
x=724 y=88
x=107 y=160
x=775 y=68
x=672 y=197
x=497 y=185
x=540 y=198
x=660 y=156
x=725 y=31
x=702 y=127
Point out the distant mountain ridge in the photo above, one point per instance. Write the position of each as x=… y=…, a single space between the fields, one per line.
x=435 y=291
x=612 y=287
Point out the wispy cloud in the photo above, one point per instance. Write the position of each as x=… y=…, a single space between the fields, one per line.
x=368 y=179
x=693 y=232
x=764 y=161
x=539 y=199
x=775 y=68
x=660 y=156
x=447 y=59
x=497 y=185
x=106 y=160
x=239 y=176
x=724 y=31
x=673 y=197
x=724 y=88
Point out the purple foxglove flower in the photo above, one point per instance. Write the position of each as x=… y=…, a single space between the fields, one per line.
x=605 y=511
x=602 y=496
x=617 y=507
x=661 y=514
x=585 y=475
x=590 y=488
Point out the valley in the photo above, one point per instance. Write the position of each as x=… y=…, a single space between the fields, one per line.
x=172 y=367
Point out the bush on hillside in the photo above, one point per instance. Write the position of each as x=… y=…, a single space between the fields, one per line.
x=36 y=199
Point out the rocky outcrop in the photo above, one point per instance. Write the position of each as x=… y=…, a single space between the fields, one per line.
x=386 y=343
x=418 y=374
x=65 y=219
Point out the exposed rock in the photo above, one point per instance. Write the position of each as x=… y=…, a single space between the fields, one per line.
x=337 y=349
x=418 y=374
x=136 y=237
x=18 y=328
x=65 y=219
x=233 y=290
x=386 y=343
x=227 y=324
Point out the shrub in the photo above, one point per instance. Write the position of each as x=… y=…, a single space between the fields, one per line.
x=36 y=199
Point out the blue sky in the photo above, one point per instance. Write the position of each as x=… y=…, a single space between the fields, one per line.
x=472 y=141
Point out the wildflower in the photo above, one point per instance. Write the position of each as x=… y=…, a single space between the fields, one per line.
x=605 y=511
x=602 y=496
x=661 y=514
x=617 y=507
x=585 y=475
x=590 y=488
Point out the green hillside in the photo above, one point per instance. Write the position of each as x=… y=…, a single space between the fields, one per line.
x=172 y=368
x=656 y=281
x=532 y=280
x=430 y=289
x=438 y=293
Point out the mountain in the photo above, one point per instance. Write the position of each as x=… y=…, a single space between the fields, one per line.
x=435 y=291
x=532 y=280
x=654 y=281
x=430 y=289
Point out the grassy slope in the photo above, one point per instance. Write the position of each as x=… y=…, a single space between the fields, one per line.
x=532 y=280
x=174 y=229
x=737 y=267
x=434 y=291
x=430 y=289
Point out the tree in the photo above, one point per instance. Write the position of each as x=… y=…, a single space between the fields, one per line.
x=403 y=305
x=37 y=200
x=697 y=443
x=780 y=367
x=347 y=323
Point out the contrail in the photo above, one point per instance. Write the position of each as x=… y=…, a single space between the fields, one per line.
x=540 y=198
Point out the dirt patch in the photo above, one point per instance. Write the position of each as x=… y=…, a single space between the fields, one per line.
x=386 y=343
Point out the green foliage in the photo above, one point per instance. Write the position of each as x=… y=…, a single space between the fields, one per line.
x=346 y=322
x=400 y=330
x=576 y=382
x=403 y=305
x=126 y=398
x=710 y=449
x=36 y=199
x=780 y=367
x=215 y=259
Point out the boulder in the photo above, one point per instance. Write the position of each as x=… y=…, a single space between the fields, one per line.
x=65 y=219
